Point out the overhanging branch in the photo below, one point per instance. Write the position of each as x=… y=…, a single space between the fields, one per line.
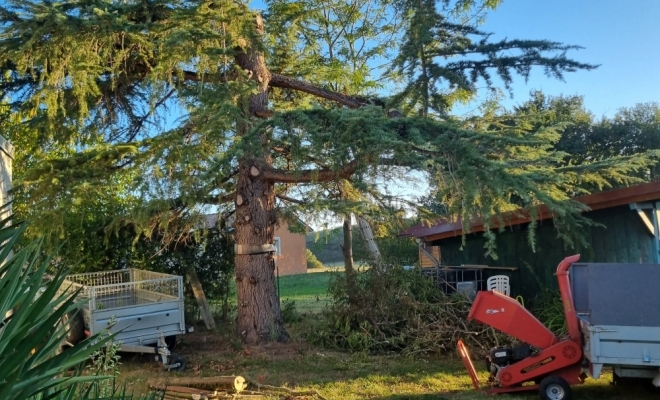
x=289 y=199
x=310 y=175
x=286 y=82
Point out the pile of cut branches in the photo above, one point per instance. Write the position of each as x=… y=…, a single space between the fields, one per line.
x=396 y=310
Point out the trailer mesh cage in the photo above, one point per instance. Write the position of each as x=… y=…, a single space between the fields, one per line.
x=123 y=288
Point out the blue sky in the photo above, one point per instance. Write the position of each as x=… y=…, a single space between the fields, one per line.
x=622 y=36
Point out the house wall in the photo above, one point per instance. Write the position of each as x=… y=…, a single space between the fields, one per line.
x=292 y=259
x=622 y=239
x=6 y=161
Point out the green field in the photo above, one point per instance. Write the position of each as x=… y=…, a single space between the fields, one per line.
x=309 y=291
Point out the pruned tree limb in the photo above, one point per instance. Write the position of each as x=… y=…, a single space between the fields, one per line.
x=310 y=175
x=290 y=199
x=285 y=82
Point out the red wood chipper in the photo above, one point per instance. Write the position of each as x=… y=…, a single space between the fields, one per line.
x=540 y=360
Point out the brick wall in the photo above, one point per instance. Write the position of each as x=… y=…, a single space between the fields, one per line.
x=291 y=259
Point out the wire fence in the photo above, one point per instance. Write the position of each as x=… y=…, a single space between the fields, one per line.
x=312 y=304
x=304 y=304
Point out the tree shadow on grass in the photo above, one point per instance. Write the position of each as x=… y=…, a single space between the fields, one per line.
x=429 y=396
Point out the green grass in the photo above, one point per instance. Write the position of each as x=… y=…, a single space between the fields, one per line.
x=344 y=376
x=313 y=284
x=308 y=291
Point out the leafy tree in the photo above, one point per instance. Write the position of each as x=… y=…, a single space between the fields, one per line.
x=209 y=254
x=174 y=98
x=584 y=139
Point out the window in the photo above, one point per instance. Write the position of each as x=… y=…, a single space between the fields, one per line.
x=278 y=246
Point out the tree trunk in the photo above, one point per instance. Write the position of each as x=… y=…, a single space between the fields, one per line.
x=347 y=251
x=259 y=315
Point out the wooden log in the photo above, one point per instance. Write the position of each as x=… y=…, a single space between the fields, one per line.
x=189 y=390
x=183 y=396
x=198 y=291
x=236 y=383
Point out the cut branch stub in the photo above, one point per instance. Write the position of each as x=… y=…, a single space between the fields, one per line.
x=246 y=218
x=255 y=171
x=239 y=200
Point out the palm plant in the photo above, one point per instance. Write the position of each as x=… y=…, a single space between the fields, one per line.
x=31 y=332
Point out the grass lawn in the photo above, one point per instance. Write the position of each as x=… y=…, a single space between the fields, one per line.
x=339 y=375
x=311 y=284
x=308 y=291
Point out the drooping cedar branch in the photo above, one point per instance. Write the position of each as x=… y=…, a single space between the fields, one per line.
x=285 y=82
x=306 y=176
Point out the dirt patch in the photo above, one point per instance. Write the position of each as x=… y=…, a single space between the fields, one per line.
x=277 y=351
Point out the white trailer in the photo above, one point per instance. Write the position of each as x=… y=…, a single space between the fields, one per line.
x=143 y=309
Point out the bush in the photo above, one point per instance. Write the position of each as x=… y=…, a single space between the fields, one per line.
x=395 y=310
x=312 y=261
x=548 y=308
x=290 y=312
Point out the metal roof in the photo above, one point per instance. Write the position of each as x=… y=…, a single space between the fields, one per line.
x=597 y=201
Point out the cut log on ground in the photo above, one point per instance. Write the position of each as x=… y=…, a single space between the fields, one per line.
x=231 y=383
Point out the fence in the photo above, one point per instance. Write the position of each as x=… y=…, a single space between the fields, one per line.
x=122 y=288
x=305 y=304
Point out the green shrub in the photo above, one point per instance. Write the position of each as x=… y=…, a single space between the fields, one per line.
x=548 y=308
x=290 y=312
x=312 y=261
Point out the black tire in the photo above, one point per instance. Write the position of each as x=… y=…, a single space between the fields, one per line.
x=170 y=341
x=180 y=360
x=554 y=388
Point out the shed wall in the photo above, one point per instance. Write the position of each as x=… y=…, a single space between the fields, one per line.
x=623 y=238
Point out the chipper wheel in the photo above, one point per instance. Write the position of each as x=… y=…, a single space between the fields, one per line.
x=554 y=388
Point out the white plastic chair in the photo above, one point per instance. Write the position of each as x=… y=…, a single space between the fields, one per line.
x=499 y=283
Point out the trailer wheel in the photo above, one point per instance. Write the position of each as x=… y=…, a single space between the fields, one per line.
x=554 y=388
x=178 y=360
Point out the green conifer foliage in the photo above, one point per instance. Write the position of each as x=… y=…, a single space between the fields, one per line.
x=188 y=103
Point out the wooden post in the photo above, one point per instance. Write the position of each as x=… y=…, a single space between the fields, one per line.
x=198 y=291
x=368 y=237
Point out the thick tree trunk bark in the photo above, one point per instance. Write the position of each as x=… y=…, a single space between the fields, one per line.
x=259 y=315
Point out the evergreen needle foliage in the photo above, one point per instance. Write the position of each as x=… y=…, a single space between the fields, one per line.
x=167 y=107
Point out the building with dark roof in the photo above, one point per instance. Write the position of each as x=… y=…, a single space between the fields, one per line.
x=626 y=232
